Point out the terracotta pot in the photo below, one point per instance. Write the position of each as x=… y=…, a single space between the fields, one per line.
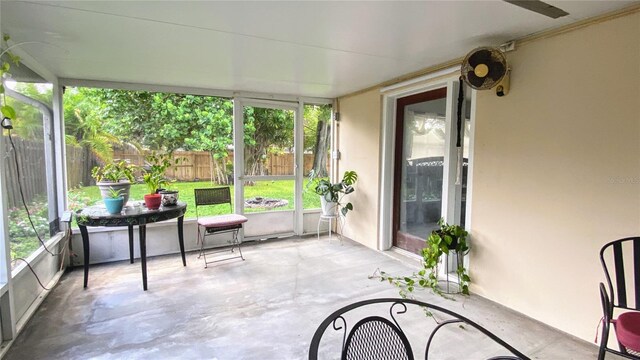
x=153 y=201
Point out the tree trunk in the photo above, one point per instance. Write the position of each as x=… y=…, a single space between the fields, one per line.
x=219 y=171
x=320 y=148
x=254 y=160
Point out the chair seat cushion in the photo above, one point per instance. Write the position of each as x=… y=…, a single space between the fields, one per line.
x=221 y=220
x=628 y=330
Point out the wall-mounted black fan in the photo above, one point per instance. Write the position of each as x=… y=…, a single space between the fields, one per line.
x=483 y=68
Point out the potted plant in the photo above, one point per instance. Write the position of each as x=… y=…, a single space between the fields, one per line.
x=115 y=175
x=114 y=202
x=155 y=179
x=331 y=194
x=447 y=238
x=169 y=197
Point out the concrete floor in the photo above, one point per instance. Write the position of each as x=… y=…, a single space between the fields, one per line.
x=266 y=307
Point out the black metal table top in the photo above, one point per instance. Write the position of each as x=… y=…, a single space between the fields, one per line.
x=97 y=215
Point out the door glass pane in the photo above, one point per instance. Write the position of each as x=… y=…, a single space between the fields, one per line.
x=317 y=142
x=422 y=172
x=268 y=141
x=268 y=195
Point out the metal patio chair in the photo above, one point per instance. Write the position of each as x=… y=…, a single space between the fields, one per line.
x=217 y=224
x=381 y=337
x=623 y=294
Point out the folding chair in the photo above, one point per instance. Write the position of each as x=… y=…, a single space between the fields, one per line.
x=218 y=224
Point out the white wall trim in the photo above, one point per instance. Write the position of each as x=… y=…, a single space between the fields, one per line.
x=433 y=75
x=472 y=133
x=298 y=129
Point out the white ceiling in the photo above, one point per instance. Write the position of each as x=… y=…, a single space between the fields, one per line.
x=320 y=49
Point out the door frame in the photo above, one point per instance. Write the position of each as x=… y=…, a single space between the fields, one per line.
x=238 y=158
x=445 y=78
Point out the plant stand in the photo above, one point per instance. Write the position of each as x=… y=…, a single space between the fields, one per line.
x=329 y=219
x=451 y=282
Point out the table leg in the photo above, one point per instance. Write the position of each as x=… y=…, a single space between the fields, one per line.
x=131 y=244
x=142 y=229
x=85 y=249
x=181 y=239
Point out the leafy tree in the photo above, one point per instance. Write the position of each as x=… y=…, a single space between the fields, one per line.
x=84 y=126
x=317 y=133
x=168 y=122
x=265 y=131
x=27 y=123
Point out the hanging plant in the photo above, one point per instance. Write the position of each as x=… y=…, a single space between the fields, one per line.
x=439 y=242
x=7 y=110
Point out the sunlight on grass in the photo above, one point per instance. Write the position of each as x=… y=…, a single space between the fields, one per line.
x=281 y=189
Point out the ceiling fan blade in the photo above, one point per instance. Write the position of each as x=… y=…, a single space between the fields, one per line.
x=540 y=7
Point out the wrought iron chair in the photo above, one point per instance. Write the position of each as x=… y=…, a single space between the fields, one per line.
x=623 y=293
x=218 y=224
x=380 y=337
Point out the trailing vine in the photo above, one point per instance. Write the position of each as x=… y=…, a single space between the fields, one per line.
x=439 y=242
x=7 y=110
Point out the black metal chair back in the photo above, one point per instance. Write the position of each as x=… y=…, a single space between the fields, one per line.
x=213 y=196
x=624 y=291
x=620 y=261
x=377 y=337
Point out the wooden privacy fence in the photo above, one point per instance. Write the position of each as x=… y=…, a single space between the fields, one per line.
x=33 y=173
x=194 y=165
x=198 y=165
x=32 y=169
x=80 y=161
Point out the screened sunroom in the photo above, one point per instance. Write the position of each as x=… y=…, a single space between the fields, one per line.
x=255 y=96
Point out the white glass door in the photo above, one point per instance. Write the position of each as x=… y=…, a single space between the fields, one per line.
x=266 y=175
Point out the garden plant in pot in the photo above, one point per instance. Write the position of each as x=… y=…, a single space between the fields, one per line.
x=114 y=202
x=169 y=197
x=114 y=176
x=154 y=179
x=331 y=194
x=447 y=238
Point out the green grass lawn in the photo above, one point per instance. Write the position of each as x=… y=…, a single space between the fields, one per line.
x=280 y=189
